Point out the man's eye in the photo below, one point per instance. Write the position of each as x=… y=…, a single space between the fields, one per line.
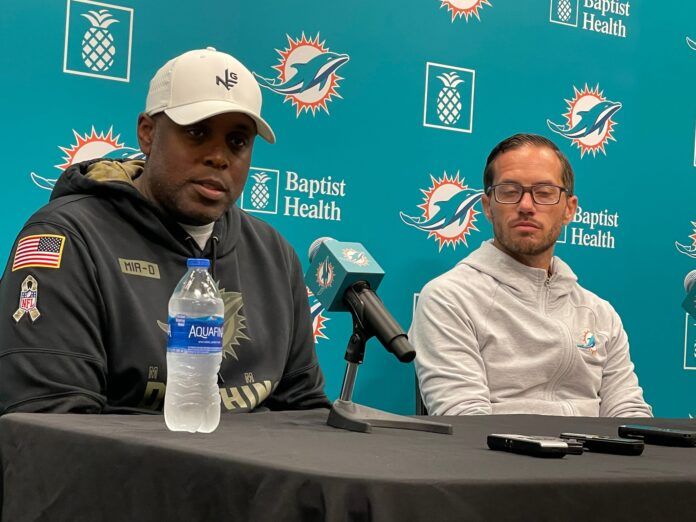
x=238 y=142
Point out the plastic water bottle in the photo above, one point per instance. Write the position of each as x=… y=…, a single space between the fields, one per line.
x=194 y=352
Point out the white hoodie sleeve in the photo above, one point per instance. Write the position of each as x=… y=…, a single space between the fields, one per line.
x=620 y=395
x=450 y=369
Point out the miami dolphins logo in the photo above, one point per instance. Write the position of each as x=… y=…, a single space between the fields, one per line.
x=90 y=146
x=689 y=250
x=448 y=211
x=464 y=8
x=318 y=318
x=307 y=74
x=589 y=120
x=234 y=323
x=691 y=43
x=588 y=341
x=325 y=275
x=355 y=256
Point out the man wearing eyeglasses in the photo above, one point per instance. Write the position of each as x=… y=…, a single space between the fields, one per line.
x=509 y=329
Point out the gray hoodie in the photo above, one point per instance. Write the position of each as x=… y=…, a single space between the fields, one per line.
x=496 y=336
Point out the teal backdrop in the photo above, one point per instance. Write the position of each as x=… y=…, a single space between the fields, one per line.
x=405 y=122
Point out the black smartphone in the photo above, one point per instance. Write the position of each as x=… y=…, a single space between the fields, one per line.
x=536 y=446
x=657 y=435
x=604 y=444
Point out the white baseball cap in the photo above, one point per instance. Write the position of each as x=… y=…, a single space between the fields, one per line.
x=203 y=83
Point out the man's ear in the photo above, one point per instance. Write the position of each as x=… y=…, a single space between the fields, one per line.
x=486 y=203
x=570 y=208
x=146 y=132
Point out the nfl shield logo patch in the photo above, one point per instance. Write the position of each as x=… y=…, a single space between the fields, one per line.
x=28 y=297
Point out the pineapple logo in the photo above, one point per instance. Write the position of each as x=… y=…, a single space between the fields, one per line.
x=464 y=8
x=688 y=250
x=98 y=48
x=98 y=40
x=449 y=97
x=261 y=191
x=449 y=101
x=564 y=12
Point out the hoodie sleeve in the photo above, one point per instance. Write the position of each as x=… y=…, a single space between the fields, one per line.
x=620 y=395
x=51 y=353
x=451 y=372
x=302 y=384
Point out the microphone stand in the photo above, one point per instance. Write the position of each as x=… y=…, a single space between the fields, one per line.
x=346 y=414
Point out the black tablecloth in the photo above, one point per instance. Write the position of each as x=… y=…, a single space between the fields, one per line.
x=292 y=466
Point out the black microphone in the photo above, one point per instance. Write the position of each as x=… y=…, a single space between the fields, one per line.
x=344 y=276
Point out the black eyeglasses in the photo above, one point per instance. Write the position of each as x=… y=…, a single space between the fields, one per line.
x=511 y=193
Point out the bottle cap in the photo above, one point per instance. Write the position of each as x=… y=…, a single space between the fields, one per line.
x=195 y=262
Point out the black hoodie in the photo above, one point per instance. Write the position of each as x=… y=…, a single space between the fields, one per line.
x=98 y=344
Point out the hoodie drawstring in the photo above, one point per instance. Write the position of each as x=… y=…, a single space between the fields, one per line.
x=213 y=255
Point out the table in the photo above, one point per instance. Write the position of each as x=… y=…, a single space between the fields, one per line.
x=281 y=466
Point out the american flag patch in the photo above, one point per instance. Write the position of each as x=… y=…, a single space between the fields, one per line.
x=44 y=251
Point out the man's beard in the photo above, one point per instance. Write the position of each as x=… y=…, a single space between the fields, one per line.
x=525 y=246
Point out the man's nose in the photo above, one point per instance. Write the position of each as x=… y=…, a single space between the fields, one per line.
x=217 y=157
x=526 y=204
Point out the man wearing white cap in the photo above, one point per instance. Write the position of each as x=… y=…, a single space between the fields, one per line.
x=85 y=291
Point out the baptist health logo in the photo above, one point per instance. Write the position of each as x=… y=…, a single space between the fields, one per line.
x=98 y=40
x=607 y=17
x=87 y=146
x=593 y=229
x=589 y=120
x=307 y=74
x=448 y=211
x=302 y=197
x=449 y=97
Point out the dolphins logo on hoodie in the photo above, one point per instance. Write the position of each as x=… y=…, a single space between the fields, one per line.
x=449 y=211
x=688 y=250
x=89 y=146
x=307 y=74
x=589 y=120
